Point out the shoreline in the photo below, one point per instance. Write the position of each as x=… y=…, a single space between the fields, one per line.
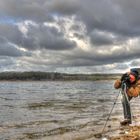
x=128 y=133
x=51 y=76
x=56 y=80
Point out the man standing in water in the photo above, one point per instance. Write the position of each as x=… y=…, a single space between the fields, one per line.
x=130 y=84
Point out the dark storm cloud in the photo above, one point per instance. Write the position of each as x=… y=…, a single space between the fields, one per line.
x=101 y=38
x=94 y=13
x=47 y=38
x=117 y=16
x=112 y=16
x=80 y=58
x=106 y=23
x=25 y=10
x=66 y=7
x=8 y=49
x=75 y=27
x=38 y=37
x=11 y=33
x=121 y=17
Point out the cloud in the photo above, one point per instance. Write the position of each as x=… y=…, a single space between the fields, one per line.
x=55 y=40
x=44 y=37
x=37 y=37
x=116 y=16
x=8 y=49
x=102 y=38
x=92 y=33
x=135 y=63
x=5 y=62
x=64 y=7
x=11 y=33
x=25 y=10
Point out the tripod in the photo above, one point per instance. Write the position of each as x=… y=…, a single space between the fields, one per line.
x=126 y=105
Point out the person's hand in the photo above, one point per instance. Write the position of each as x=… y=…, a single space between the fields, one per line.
x=128 y=79
x=117 y=84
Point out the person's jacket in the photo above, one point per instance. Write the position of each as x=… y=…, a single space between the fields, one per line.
x=133 y=91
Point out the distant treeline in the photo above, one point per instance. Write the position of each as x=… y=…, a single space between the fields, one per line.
x=54 y=76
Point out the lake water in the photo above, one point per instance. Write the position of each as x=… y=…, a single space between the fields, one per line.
x=74 y=110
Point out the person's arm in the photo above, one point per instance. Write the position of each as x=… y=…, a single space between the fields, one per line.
x=128 y=78
x=134 y=90
x=117 y=84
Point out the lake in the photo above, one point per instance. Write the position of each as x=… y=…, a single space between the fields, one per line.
x=57 y=110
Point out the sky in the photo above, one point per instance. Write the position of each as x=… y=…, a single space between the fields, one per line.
x=71 y=36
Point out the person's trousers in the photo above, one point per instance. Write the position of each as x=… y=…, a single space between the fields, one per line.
x=126 y=106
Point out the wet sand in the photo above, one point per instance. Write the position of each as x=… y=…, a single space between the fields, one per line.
x=128 y=133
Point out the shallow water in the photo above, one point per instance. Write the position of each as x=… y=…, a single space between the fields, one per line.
x=74 y=110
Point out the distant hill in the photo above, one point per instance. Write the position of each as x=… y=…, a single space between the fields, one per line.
x=55 y=76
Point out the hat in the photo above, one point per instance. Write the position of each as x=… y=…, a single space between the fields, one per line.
x=134 y=71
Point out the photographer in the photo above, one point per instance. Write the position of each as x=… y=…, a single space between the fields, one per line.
x=132 y=89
